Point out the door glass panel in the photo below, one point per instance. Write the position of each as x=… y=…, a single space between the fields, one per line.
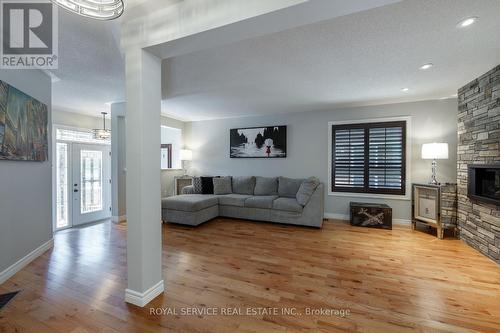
x=91 y=181
x=62 y=185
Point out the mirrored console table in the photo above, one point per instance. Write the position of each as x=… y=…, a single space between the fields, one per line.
x=435 y=206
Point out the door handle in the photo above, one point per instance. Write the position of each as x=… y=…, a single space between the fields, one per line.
x=75 y=190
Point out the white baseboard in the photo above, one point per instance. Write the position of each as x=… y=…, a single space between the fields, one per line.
x=141 y=299
x=21 y=263
x=118 y=219
x=401 y=221
x=335 y=216
x=346 y=217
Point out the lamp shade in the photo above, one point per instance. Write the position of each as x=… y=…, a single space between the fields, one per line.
x=435 y=151
x=186 y=155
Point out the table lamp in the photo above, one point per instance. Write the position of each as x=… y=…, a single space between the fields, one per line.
x=186 y=155
x=434 y=151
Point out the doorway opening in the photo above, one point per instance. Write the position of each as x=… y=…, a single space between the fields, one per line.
x=82 y=178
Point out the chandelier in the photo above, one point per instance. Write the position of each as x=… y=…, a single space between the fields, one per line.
x=102 y=133
x=96 y=9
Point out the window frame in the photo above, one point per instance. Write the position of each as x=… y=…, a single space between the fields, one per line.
x=403 y=194
x=167 y=146
x=175 y=163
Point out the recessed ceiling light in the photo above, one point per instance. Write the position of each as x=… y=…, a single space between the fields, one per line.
x=426 y=66
x=405 y=89
x=466 y=22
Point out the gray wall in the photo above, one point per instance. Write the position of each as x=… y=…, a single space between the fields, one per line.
x=167 y=176
x=307 y=146
x=73 y=119
x=118 y=162
x=25 y=187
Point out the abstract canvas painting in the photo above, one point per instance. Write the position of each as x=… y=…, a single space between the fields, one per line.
x=258 y=142
x=23 y=126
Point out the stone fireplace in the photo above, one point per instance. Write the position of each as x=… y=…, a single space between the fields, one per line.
x=478 y=160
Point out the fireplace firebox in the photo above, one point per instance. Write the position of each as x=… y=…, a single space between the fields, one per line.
x=484 y=183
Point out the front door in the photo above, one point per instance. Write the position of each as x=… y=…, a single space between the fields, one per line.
x=91 y=188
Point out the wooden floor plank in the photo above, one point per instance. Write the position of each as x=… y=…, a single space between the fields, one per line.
x=387 y=280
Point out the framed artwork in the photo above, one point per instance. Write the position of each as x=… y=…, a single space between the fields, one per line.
x=23 y=126
x=258 y=142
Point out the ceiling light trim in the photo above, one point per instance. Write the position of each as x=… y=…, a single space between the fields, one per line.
x=104 y=10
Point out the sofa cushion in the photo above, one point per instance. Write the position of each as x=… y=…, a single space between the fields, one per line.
x=266 y=186
x=243 y=185
x=261 y=201
x=188 y=190
x=233 y=199
x=222 y=185
x=189 y=202
x=196 y=185
x=288 y=187
x=306 y=190
x=288 y=204
x=207 y=185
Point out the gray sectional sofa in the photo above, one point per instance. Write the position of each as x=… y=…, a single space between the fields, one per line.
x=280 y=200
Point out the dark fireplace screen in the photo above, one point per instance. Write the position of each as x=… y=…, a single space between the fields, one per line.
x=484 y=183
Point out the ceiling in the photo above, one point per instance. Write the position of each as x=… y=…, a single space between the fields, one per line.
x=91 y=69
x=359 y=59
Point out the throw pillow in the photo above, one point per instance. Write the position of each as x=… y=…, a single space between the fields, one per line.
x=243 y=185
x=207 y=185
x=266 y=186
x=306 y=190
x=196 y=185
x=222 y=185
x=288 y=187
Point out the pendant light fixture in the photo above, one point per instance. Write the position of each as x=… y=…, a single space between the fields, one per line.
x=102 y=133
x=95 y=9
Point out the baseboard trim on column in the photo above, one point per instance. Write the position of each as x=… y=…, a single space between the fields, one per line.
x=118 y=219
x=142 y=299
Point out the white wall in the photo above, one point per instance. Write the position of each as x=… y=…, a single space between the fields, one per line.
x=173 y=136
x=167 y=176
x=307 y=146
x=25 y=187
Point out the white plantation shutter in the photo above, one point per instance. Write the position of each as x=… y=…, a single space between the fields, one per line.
x=369 y=158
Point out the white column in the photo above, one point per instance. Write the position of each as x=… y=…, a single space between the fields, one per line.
x=143 y=106
x=118 y=166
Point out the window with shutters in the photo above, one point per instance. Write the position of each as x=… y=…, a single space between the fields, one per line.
x=369 y=158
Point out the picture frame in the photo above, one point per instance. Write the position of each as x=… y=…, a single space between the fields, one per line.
x=258 y=142
x=23 y=126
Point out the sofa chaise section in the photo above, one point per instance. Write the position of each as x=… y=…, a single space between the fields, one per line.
x=190 y=209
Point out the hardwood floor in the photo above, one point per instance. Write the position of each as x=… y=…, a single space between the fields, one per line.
x=388 y=281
